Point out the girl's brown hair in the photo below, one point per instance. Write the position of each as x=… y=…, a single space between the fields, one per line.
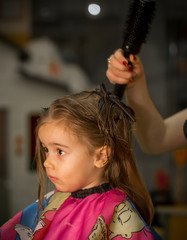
x=103 y=120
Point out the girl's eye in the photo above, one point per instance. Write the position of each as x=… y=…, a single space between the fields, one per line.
x=61 y=152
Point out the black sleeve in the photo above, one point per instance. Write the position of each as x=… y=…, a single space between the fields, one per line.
x=185 y=129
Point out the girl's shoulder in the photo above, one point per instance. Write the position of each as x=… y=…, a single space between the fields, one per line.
x=127 y=221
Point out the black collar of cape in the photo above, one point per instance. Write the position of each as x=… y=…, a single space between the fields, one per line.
x=83 y=193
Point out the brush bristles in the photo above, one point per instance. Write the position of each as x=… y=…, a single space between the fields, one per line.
x=137 y=25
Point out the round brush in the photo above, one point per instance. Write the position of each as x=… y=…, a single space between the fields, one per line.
x=137 y=26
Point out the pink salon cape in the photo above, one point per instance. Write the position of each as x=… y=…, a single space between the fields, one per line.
x=100 y=213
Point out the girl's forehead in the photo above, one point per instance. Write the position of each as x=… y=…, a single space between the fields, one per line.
x=56 y=124
x=55 y=129
x=53 y=133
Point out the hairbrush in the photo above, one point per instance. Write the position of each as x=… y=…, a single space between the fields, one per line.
x=136 y=29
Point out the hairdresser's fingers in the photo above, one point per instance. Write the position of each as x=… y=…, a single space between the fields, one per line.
x=115 y=62
x=118 y=61
x=119 y=57
x=117 y=71
x=135 y=60
x=123 y=72
x=138 y=69
x=117 y=76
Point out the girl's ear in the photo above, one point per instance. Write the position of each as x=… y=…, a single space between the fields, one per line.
x=102 y=156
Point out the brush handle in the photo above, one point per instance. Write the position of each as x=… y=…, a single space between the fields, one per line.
x=137 y=25
x=119 y=89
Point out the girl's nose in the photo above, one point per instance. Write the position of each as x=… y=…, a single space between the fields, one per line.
x=48 y=162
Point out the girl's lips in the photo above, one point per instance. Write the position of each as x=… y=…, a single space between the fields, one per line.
x=53 y=179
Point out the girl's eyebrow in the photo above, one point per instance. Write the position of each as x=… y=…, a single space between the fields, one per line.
x=55 y=144
x=59 y=145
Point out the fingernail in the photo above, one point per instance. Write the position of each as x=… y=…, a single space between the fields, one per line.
x=125 y=63
x=130 y=68
x=134 y=58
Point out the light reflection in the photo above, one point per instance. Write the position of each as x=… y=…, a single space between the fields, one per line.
x=94 y=9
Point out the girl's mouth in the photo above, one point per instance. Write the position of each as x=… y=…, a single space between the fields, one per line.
x=53 y=179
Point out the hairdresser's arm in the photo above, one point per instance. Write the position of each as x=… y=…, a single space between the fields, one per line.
x=154 y=134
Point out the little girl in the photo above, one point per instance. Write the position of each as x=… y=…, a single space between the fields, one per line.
x=84 y=147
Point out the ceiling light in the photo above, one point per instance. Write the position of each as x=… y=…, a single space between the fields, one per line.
x=94 y=9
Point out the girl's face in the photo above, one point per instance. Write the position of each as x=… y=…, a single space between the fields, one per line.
x=69 y=165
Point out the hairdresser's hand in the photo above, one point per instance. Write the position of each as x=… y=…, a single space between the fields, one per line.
x=119 y=71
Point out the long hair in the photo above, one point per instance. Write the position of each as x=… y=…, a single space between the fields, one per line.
x=103 y=120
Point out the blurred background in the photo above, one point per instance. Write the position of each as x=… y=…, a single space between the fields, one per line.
x=51 y=48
